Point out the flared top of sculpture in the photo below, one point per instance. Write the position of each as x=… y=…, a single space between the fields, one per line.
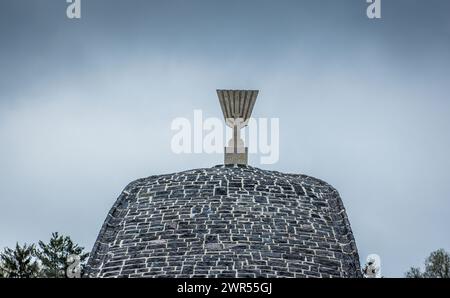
x=237 y=104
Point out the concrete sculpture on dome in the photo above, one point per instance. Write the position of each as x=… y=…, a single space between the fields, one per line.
x=237 y=107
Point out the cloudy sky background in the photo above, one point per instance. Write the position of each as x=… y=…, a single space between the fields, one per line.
x=86 y=107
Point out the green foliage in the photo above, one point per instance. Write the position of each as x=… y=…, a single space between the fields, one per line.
x=50 y=260
x=437 y=265
x=19 y=262
x=414 y=272
x=54 y=255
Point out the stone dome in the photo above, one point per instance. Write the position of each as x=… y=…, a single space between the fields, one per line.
x=226 y=221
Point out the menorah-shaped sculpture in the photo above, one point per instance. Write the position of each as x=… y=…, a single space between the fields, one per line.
x=237 y=106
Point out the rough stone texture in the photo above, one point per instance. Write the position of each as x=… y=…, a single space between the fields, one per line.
x=226 y=221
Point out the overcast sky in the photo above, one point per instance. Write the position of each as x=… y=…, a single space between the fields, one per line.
x=86 y=107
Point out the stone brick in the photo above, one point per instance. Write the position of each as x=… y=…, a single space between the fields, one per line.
x=226 y=221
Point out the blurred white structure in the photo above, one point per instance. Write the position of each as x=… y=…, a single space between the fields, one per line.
x=372 y=269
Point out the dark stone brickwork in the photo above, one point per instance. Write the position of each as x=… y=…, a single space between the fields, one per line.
x=226 y=221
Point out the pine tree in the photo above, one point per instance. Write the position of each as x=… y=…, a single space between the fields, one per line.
x=19 y=263
x=54 y=255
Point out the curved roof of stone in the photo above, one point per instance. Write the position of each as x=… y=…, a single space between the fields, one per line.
x=226 y=221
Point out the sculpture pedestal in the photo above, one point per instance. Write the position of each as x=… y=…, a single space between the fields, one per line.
x=234 y=158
